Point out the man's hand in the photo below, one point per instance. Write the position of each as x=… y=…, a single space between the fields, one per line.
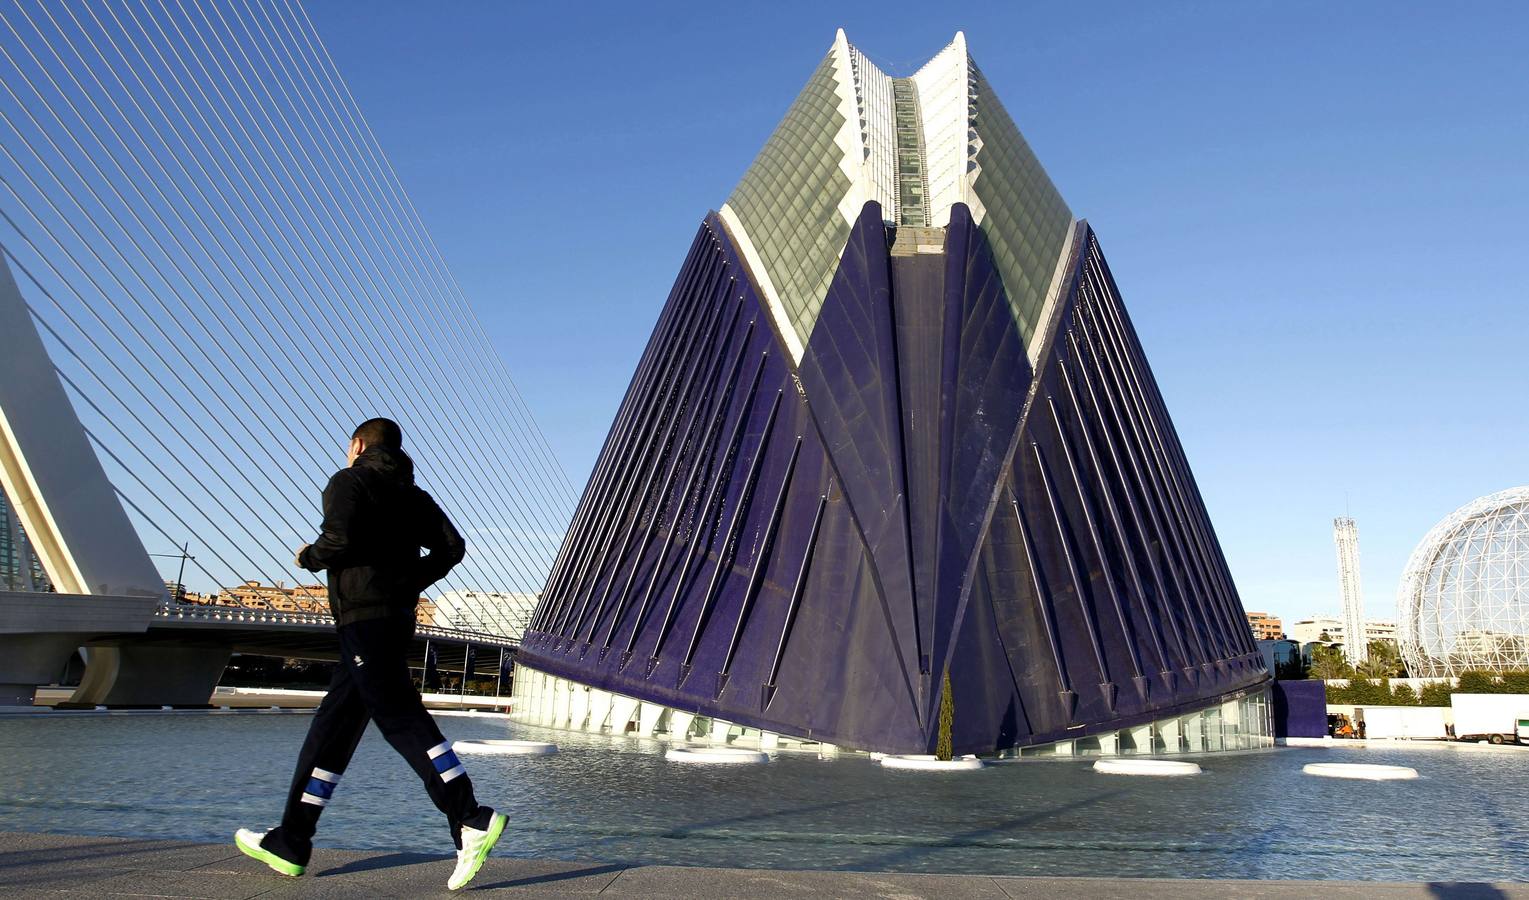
x=298 y=557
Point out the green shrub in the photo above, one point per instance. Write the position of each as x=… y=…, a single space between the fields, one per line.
x=1515 y=682
x=1364 y=692
x=1435 y=694
x=1478 y=683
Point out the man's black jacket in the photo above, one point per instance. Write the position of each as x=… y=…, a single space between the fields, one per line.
x=375 y=522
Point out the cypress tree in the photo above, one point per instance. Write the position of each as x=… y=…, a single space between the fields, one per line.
x=943 y=749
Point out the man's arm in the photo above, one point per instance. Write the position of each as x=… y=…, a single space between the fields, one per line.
x=333 y=546
x=440 y=537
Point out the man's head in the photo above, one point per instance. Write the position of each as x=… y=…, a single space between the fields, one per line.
x=374 y=433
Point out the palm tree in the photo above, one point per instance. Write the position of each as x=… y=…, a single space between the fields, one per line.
x=1385 y=661
x=1328 y=663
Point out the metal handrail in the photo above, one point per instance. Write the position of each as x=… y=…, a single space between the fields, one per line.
x=243 y=614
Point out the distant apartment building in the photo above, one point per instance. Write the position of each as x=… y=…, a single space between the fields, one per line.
x=485 y=612
x=1330 y=630
x=307 y=599
x=1265 y=627
x=303 y=598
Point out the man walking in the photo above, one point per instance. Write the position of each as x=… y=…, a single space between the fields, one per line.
x=375 y=522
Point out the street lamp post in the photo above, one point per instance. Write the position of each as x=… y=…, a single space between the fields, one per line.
x=180 y=575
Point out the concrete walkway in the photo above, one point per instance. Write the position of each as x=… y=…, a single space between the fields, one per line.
x=45 y=865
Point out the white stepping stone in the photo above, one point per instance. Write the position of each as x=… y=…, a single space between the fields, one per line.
x=926 y=763
x=1361 y=771
x=505 y=748
x=1162 y=768
x=716 y=755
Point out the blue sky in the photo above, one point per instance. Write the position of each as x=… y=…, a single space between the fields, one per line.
x=1316 y=212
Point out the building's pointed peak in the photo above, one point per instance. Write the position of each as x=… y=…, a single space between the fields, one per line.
x=842 y=48
x=917 y=146
x=955 y=50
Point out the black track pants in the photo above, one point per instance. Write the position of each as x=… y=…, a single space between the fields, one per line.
x=371 y=684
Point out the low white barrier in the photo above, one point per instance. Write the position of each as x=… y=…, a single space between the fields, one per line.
x=505 y=748
x=1360 y=771
x=716 y=755
x=1158 y=767
x=930 y=764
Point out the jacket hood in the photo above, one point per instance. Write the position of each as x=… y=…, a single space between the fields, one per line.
x=389 y=462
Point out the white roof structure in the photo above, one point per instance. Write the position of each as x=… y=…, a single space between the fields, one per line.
x=1464 y=598
x=916 y=146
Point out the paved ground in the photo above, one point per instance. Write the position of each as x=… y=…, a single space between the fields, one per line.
x=42 y=865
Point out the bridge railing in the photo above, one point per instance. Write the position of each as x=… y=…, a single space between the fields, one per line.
x=170 y=611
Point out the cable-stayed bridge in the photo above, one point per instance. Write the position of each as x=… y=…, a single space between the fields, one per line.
x=211 y=273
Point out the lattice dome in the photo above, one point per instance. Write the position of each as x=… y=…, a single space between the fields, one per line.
x=1464 y=599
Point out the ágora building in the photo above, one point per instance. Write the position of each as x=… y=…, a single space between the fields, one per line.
x=893 y=426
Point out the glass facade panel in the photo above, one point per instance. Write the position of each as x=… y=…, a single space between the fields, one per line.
x=1211 y=730
x=788 y=201
x=1244 y=723
x=1025 y=219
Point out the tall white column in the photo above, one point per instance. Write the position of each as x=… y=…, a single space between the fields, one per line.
x=1169 y=729
x=544 y=703
x=578 y=706
x=560 y=700
x=599 y=709
x=623 y=710
x=648 y=718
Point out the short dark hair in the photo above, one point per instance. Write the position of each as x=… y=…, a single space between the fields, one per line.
x=379 y=433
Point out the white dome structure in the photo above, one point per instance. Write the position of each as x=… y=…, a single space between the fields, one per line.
x=1464 y=598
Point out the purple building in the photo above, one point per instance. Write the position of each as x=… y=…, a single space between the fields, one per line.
x=894 y=426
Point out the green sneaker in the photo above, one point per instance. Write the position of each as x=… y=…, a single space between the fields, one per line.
x=248 y=843
x=475 y=847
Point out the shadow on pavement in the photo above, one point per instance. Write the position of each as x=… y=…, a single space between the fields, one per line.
x=386 y=861
x=1451 y=890
x=551 y=877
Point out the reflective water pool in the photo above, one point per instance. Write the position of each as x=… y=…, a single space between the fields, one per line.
x=1251 y=815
